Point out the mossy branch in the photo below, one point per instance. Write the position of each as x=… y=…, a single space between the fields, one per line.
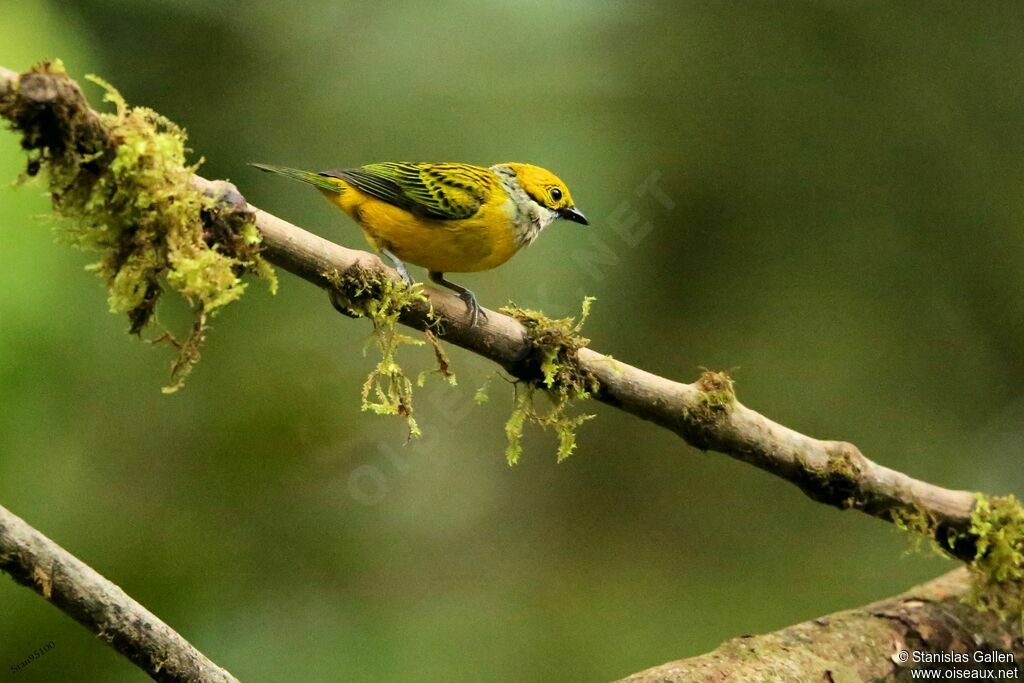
x=122 y=187
x=863 y=644
x=556 y=345
x=76 y=589
x=706 y=413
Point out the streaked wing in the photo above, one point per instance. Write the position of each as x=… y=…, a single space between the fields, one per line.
x=441 y=191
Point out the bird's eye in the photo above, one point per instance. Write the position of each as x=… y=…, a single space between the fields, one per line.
x=556 y=194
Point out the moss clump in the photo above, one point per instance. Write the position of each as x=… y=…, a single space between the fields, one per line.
x=998 y=566
x=921 y=525
x=554 y=343
x=844 y=466
x=839 y=481
x=717 y=391
x=716 y=396
x=997 y=536
x=366 y=293
x=123 y=189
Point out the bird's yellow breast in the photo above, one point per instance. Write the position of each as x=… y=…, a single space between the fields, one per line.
x=483 y=241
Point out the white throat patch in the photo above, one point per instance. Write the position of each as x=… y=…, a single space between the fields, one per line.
x=529 y=216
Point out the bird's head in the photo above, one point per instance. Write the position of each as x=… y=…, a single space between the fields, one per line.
x=547 y=189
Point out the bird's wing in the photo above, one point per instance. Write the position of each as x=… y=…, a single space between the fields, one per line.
x=440 y=191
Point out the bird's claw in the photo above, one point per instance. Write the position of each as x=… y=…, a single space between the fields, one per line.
x=475 y=312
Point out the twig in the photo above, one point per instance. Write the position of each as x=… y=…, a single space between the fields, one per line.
x=79 y=591
x=877 y=642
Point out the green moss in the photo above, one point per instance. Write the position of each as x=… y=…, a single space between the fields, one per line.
x=555 y=344
x=482 y=395
x=843 y=465
x=717 y=391
x=522 y=408
x=444 y=363
x=716 y=396
x=998 y=566
x=123 y=189
x=839 y=482
x=371 y=294
x=921 y=526
x=997 y=534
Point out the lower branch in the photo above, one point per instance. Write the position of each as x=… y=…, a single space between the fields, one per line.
x=79 y=591
x=873 y=643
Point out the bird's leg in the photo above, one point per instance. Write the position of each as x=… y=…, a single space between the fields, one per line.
x=399 y=266
x=475 y=312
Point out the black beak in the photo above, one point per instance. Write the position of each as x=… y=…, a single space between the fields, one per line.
x=571 y=213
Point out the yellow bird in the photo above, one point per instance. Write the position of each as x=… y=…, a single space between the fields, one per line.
x=447 y=217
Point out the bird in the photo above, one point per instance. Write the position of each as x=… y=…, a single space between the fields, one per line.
x=445 y=217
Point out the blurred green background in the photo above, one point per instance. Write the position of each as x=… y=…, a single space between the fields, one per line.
x=845 y=234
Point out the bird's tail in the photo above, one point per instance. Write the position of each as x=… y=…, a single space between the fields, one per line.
x=318 y=180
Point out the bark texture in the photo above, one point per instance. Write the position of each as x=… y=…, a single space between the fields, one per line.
x=79 y=591
x=863 y=644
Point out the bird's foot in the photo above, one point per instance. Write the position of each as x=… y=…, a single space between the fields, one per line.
x=475 y=312
x=399 y=266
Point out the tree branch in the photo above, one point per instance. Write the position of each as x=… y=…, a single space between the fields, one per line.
x=79 y=591
x=705 y=413
x=862 y=644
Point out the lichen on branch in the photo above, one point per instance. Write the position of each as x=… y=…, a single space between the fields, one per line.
x=365 y=293
x=997 y=535
x=122 y=189
x=997 y=572
x=555 y=344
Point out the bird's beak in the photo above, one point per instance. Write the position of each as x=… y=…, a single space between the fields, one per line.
x=571 y=213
